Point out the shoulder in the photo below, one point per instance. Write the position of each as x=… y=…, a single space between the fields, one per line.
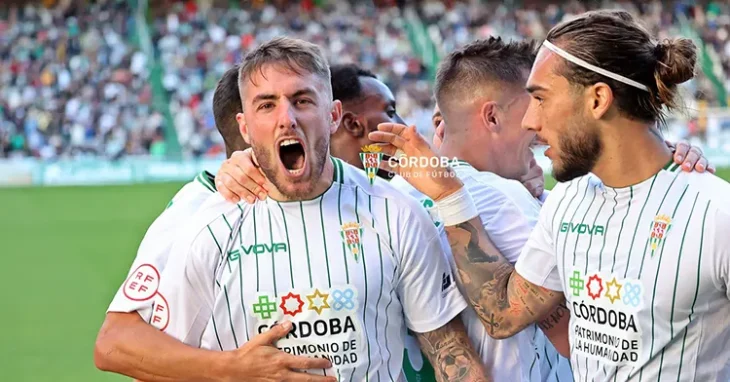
x=211 y=224
x=712 y=187
x=491 y=191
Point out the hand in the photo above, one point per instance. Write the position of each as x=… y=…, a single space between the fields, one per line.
x=534 y=180
x=241 y=178
x=258 y=360
x=421 y=167
x=690 y=157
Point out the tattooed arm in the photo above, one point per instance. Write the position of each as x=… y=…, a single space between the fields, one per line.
x=451 y=354
x=505 y=302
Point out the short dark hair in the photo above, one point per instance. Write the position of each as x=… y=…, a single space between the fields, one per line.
x=615 y=41
x=481 y=62
x=346 y=84
x=296 y=55
x=226 y=104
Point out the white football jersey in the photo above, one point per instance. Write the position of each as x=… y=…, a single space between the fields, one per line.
x=508 y=213
x=645 y=271
x=138 y=290
x=351 y=269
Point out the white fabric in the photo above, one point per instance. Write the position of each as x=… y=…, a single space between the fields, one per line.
x=584 y=64
x=508 y=212
x=221 y=293
x=645 y=298
x=154 y=250
x=456 y=208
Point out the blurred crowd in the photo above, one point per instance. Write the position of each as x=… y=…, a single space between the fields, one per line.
x=75 y=79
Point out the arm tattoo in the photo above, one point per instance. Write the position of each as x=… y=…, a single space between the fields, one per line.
x=505 y=304
x=451 y=354
x=551 y=320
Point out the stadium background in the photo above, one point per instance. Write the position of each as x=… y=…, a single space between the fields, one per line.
x=111 y=100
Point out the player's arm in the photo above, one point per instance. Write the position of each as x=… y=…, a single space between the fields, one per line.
x=504 y=301
x=128 y=345
x=451 y=354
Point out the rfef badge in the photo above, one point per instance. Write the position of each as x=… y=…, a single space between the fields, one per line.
x=371 y=158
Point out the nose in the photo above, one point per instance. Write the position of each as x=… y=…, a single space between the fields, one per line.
x=287 y=117
x=530 y=121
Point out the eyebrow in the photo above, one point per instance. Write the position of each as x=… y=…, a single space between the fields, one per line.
x=534 y=88
x=272 y=97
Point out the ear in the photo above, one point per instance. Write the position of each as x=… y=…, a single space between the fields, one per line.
x=489 y=118
x=243 y=127
x=335 y=116
x=599 y=99
x=352 y=125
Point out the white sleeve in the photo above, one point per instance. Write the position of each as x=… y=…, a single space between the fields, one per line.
x=504 y=221
x=426 y=285
x=143 y=279
x=721 y=249
x=537 y=262
x=187 y=290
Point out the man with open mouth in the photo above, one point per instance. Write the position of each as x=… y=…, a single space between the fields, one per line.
x=344 y=266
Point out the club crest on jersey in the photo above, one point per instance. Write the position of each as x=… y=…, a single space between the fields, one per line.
x=371 y=158
x=659 y=229
x=352 y=236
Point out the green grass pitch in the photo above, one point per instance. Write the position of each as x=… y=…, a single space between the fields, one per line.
x=65 y=251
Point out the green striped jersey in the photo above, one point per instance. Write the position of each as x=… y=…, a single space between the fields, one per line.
x=138 y=290
x=645 y=271
x=352 y=269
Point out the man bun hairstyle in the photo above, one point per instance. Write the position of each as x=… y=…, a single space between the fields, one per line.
x=614 y=41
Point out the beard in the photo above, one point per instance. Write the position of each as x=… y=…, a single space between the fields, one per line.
x=293 y=189
x=580 y=148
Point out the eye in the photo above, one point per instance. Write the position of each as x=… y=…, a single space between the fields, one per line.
x=304 y=101
x=265 y=106
x=391 y=112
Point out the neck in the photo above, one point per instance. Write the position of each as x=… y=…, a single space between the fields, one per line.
x=322 y=184
x=479 y=156
x=631 y=154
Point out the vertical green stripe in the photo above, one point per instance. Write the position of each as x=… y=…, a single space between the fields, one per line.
x=380 y=294
x=240 y=271
x=395 y=266
x=365 y=302
x=590 y=242
x=230 y=317
x=273 y=258
x=324 y=242
x=565 y=211
x=697 y=289
x=676 y=281
x=334 y=170
x=565 y=238
x=646 y=245
x=605 y=230
x=288 y=246
x=306 y=243
x=560 y=203
x=344 y=252
x=618 y=239
x=255 y=242
x=223 y=257
x=229 y=239
x=656 y=281
x=641 y=212
x=215 y=329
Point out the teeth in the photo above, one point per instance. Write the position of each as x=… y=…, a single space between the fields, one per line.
x=296 y=172
x=288 y=142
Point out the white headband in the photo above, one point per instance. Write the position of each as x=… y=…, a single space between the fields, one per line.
x=594 y=68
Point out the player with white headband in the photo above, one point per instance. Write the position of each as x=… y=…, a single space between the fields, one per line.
x=638 y=250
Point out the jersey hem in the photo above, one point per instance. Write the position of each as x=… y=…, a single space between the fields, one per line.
x=451 y=312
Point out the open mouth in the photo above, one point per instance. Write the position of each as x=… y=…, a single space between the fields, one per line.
x=292 y=156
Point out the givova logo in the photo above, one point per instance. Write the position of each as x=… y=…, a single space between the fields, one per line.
x=582 y=229
x=256 y=249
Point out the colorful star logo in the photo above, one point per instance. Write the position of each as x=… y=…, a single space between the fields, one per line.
x=289 y=300
x=594 y=291
x=318 y=301
x=616 y=287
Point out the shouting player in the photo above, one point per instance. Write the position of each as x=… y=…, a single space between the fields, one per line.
x=637 y=248
x=345 y=265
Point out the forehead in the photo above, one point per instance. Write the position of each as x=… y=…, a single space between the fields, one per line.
x=543 y=72
x=279 y=80
x=373 y=90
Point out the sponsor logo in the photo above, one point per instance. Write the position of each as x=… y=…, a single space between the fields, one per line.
x=256 y=249
x=582 y=229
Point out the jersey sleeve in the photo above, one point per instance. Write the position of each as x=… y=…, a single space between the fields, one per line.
x=537 y=262
x=504 y=221
x=136 y=293
x=721 y=248
x=426 y=285
x=185 y=298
